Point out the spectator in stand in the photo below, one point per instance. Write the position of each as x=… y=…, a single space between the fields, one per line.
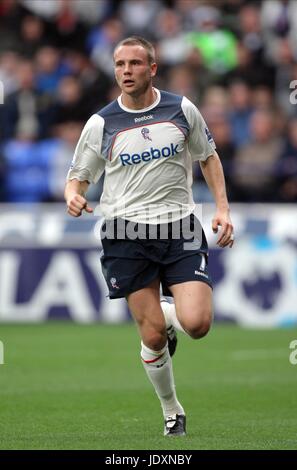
x=173 y=46
x=67 y=135
x=241 y=110
x=246 y=71
x=50 y=69
x=278 y=20
x=71 y=105
x=11 y=14
x=95 y=83
x=32 y=35
x=288 y=165
x=101 y=41
x=262 y=97
x=250 y=33
x=26 y=169
x=68 y=27
x=220 y=129
x=285 y=74
x=181 y=80
x=203 y=77
x=26 y=112
x=215 y=101
x=187 y=12
x=139 y=16
x=9 y=61
x=255 y=164
x=216 y=44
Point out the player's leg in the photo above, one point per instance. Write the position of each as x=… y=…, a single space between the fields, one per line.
x=193 y=307
x=185 y=276
x=145 y=307
x=171 y=320
x=189 y=282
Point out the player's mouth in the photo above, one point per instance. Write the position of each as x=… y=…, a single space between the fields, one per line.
x=128 y=82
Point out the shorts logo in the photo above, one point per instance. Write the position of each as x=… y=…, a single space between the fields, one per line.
x=113 y=283
x=201 y=273
x=145 y=134
x=203 y=263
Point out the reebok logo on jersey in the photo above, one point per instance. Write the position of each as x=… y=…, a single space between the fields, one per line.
x=144 y=118
x=152 y=154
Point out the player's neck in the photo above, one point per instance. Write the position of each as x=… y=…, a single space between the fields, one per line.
x=140 y=102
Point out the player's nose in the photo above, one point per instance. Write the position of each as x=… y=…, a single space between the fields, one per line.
x=127 y=69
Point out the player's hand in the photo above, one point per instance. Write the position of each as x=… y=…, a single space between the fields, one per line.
x=77 y=204
x=226 y=234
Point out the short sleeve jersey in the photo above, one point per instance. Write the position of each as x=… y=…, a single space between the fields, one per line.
x=147 y=157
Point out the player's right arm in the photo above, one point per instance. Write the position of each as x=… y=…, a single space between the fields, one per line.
x=87 y=166
x=75 y=191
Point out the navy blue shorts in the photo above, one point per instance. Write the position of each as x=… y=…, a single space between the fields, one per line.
x=173 y=253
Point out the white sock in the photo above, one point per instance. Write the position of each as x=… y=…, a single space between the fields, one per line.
x=170 y=316
x=158 y=366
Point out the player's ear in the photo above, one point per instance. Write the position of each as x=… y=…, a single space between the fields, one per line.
x=153 y=69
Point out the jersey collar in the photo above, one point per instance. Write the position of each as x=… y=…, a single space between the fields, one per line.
x=153 y=105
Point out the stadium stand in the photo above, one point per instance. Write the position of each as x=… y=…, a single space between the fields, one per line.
x=235 y=59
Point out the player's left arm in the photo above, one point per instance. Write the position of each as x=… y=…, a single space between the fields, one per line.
x=214 y=176
x=202 y=148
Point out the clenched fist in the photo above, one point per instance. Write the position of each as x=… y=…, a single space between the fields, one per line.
x=76 y=204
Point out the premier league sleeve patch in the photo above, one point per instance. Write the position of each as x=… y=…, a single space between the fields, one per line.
x=208 y=135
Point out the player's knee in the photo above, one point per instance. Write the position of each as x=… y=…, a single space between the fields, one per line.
x=200 y=326
x=156 y=340
x=200 y=330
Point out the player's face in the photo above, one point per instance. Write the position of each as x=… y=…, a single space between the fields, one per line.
x=133 y=71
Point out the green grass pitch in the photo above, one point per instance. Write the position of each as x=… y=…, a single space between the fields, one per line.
x=69 y=386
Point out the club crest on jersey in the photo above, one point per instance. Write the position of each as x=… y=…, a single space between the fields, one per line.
x=113 y=283
x=145 y=133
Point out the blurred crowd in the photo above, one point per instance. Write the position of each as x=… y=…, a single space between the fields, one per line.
x=235 y=59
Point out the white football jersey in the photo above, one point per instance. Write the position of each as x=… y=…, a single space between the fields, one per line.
x=147 y=157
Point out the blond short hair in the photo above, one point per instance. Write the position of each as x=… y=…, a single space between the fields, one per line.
x=139 y=41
